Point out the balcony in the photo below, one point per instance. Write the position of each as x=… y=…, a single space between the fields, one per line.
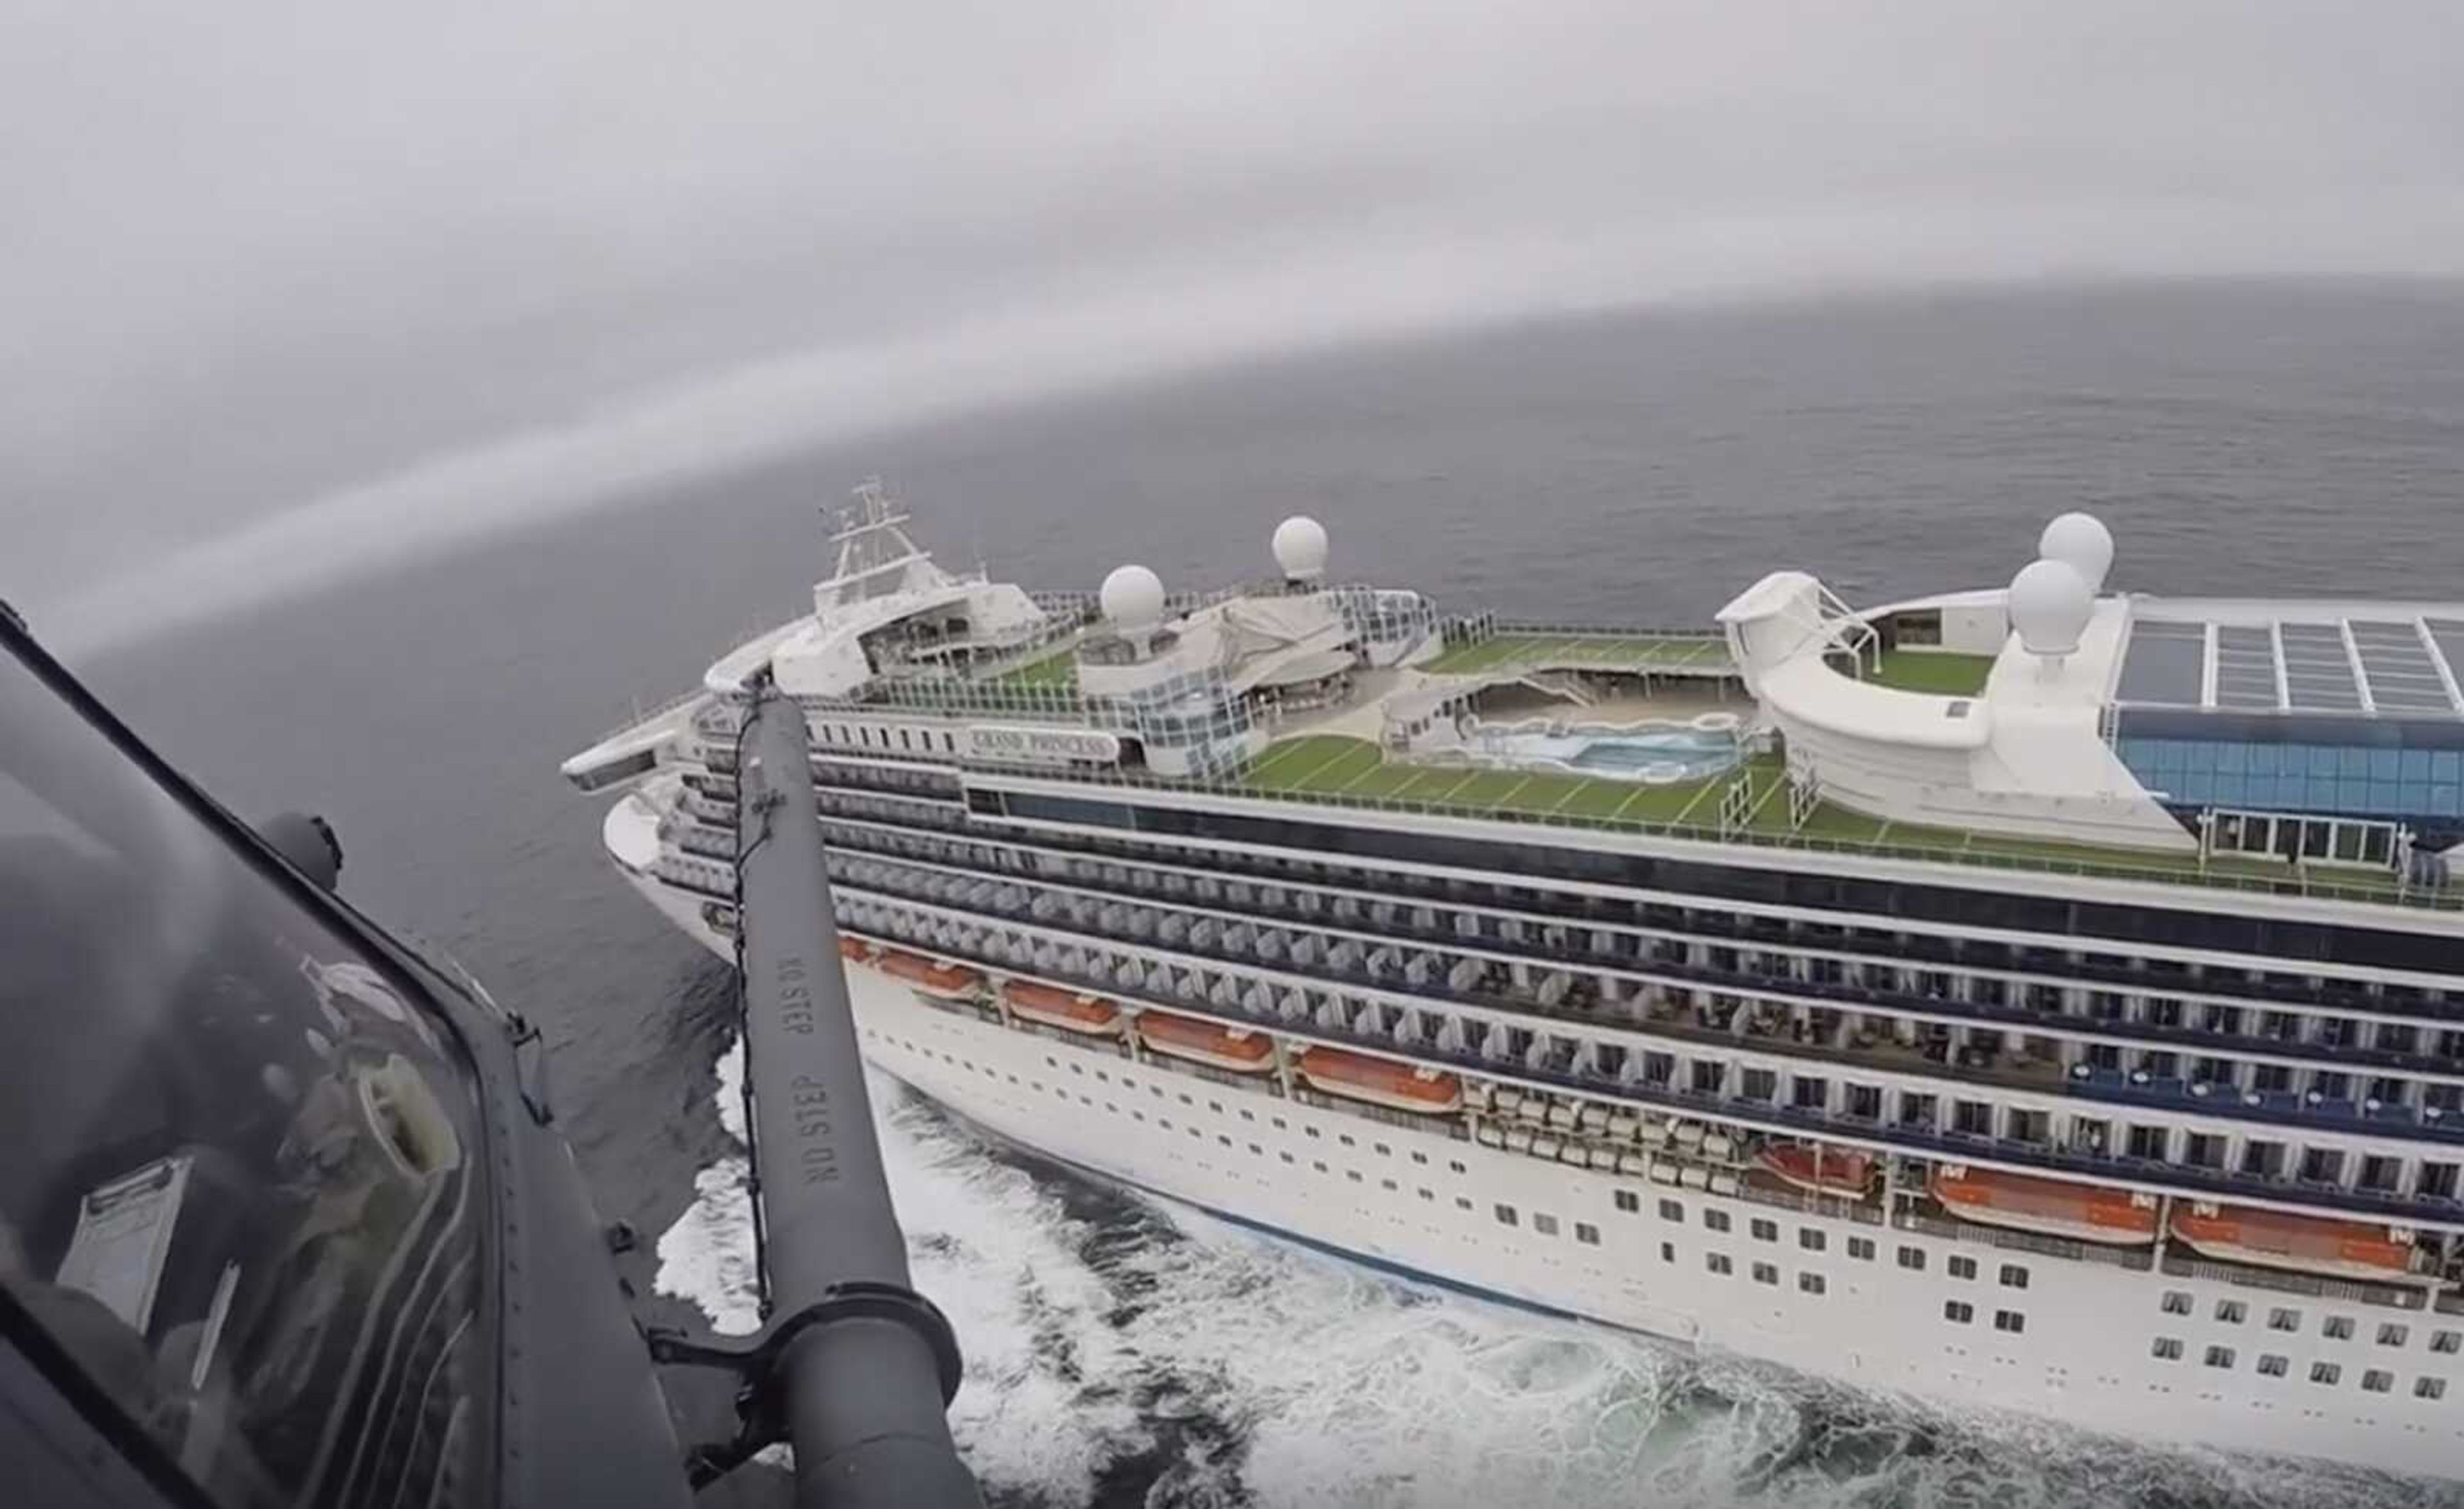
x=1718 y=1104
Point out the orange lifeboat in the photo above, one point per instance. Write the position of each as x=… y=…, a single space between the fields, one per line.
x=1383 y=1081
x=2303 y=1243
x=1821 y=1170
x=855 y=950
x=1230 y=1048
x=1066 y=1010
x=931 y=976
x=2082 y=1212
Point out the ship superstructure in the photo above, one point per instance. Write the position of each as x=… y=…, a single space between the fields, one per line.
x=2047 y=997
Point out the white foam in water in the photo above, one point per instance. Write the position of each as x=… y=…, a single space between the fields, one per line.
x=1336 y=1385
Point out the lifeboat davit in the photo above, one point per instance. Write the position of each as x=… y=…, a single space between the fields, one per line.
x=1068 y=1010
x=1383 y=1081
x=1234 y=1049
x=2303 y=1243
x=936 y=977
x=2083 y=1213
x=1836 y=1171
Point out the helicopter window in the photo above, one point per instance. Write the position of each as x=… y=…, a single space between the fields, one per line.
x=239 y=1182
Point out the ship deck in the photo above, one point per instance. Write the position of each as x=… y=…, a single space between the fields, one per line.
x=1586 y=649
x=1353 y=772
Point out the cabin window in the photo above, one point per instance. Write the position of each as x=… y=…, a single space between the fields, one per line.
x=2220 y=1357
x=1766 y=1273
x=2013 y=1275
x=2326 y=1372
x=1810 y=1282
x=1810 y=1239
x=1544 y=1223
x=2231 y=1312
x=1587 y=1234
x=1463 y=1202
x=2338 y=1328
x=1718 y=1262
x=2444 y=1340
x=1428 y=1193
x=1962 y=1267
x=1667 y=1252
x=1912 y=1259
x=2271 y=1366
x=2430 y=1388
x=1764 y=1231
x=2176 y=1303
x=2377 y=1381
x=2280 y=1319
x=2167 y=1349
x=1861 y=1248
x=2010 y=1321
x=1671 y=1211
x=1958 y=1311
x=1505 y=1215
x=1628 y=1201
x=1715 y=1220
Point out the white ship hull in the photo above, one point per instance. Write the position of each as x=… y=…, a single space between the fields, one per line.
x=2084 y=1355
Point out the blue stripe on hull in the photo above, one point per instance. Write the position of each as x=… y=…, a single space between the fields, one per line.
x=1385 y=1265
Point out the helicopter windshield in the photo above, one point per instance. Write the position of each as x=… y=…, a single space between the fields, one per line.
x=239 y=1184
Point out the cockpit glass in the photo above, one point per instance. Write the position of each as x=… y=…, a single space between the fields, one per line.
x=239 y=1183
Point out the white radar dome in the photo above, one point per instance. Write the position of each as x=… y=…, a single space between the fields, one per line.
x=1132 y=599
x=2082 y=542
x=1300 y=548
x=2050 y=603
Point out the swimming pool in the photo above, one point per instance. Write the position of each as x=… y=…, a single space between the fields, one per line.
x=1656 y=754
x=1679 y=754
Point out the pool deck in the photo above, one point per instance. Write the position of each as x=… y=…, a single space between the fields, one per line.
x=1353 y=770
x=1520 y=651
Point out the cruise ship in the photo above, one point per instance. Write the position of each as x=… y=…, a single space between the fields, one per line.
x=2044 y=998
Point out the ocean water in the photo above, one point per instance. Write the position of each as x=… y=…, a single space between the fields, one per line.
x=2263 y=437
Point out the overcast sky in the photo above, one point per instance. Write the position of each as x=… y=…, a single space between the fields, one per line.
x=295 y=288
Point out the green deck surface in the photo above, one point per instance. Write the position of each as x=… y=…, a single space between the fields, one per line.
x=1052 y=671
x=1937 y=671
x=1353 y=770
x=1578 y=651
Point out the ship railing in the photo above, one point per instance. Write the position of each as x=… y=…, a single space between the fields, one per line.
x=2297 y=884
x=2134 y=1259
x=1657 y=1017
x=2139 y=1260
x=646 y=716
x=1726 y=1105
x=2037 y=1076
x=1521 y=627
x=2253 y=994
x=1214 y=1076
x=1711 y=1105
x=1452 y=1125
x=1863 y=1212
x=2397 y=1296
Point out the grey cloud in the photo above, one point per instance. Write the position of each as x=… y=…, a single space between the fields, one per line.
x=319 y=285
